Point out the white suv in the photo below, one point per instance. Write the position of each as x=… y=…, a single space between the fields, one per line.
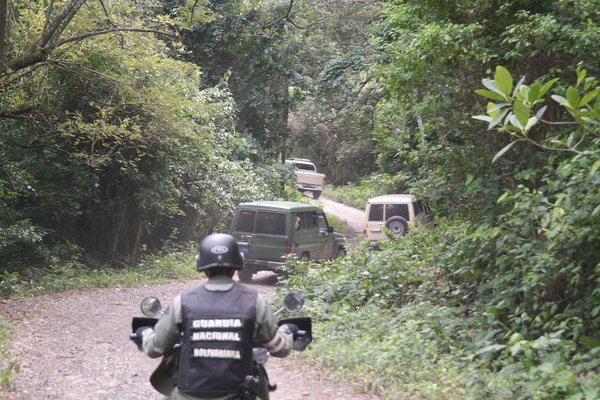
x=394 y=212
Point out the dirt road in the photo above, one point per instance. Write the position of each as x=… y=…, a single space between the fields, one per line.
x=354 y=218
x=75 y=346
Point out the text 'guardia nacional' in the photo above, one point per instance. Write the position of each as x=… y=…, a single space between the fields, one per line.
x=217 y=323
x=216 y=337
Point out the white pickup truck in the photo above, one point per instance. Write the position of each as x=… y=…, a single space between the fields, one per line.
x=307 y=177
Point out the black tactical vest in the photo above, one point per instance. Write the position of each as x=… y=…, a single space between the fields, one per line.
x=218 y=328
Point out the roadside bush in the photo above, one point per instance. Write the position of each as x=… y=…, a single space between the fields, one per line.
x=61 y=274
x=417 y=318
x=548 y=245
x=356 y=195
x=409 y=352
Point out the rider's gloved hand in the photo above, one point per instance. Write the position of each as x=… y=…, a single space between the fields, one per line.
x=139 y=332
x=294 y=329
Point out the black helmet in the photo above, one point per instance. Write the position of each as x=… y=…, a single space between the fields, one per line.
x=219 y=250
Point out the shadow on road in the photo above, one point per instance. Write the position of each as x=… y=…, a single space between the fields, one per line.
x=265 y=278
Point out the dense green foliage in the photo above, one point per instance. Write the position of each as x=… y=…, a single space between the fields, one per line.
x=357 y=194
x=332 y=120
x=407 y=319
x=177 y=264
x=110 y=144
x=504 y=303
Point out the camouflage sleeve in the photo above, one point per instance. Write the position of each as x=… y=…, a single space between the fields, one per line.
x=165 y=334
x=277 y=341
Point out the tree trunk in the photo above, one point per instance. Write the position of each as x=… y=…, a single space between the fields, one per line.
x=285 y=113
x=3 y=30
x=135 y=253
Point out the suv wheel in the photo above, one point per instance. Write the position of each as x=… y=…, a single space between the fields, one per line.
x=341 y=253
x=397 y=225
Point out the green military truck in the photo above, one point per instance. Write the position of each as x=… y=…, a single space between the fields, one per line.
x=268 y=231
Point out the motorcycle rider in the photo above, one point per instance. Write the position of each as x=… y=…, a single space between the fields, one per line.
x=217 y=323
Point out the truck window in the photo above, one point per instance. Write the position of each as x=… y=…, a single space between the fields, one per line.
x=376 y=212
x=305 y=220
x=245 y=221
x=307 y=167
x=396 y=210
x=322 y=221
x=270 y=223
x=418 y=207
x=313 y=220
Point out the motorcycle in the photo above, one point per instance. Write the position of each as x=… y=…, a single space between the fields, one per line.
x=258 y=385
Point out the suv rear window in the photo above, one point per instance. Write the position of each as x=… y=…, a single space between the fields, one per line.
x=245 y=221
x=396 y=210
x=376 y=212
x=270 y=223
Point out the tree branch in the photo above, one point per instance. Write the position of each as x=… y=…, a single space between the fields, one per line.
x=288 y=18
x=16 y=114
x=57 y=26
x=193 y=11
x=113 y=30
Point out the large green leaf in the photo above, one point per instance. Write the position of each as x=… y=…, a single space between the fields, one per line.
x=530 y=123
x=521 y=112
x=490 y=84
x=560 y=100
x=504 y=150
x=489 y=94
x=497 y=118
x=589 y=97
x=534 y=92
x=580 y=76
x=547 y=87
x=503 y=80
x=482 y=118
x=589 y=343
x=573 y=98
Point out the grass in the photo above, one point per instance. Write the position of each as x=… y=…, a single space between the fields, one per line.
x=73 y=275
x=7 y=366
x=338 y=224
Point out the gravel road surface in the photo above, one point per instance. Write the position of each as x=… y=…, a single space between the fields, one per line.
x=75 y=346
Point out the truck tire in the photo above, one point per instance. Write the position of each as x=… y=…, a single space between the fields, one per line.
x=316 y=194
x=397 y=225
x=341 y=253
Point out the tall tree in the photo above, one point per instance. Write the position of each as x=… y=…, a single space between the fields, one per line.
x=108 y=142
x=248 y=46
x=333 y=122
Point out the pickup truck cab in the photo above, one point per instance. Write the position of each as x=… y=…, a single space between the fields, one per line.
x=268 y=231
x=307 y=177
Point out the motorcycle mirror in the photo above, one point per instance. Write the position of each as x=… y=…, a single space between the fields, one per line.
x=293 y=302
x=150 y=306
